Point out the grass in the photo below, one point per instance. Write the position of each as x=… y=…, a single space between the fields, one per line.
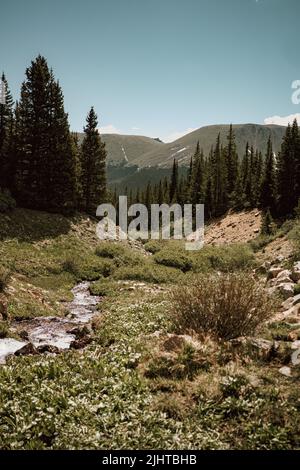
x=121 y=394
x=125 y=390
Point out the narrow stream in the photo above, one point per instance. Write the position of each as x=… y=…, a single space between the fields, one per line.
x=54 y=332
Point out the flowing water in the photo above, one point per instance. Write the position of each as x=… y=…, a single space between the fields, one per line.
x=54 y=331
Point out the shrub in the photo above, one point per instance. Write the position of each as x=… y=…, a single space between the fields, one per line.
x=89 y=269
x=174 y=259
x=224 y=306
x=297 y=289
x=153 y=246
x=121 y=255
x=7 y=202
x=103 y=288
x=148 y=272
x=5 y=275
x=223 y=258
x=109 y=250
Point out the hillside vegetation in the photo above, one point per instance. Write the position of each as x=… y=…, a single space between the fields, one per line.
x=146 y=379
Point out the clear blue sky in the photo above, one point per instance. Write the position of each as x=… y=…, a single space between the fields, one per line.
x=159 y=67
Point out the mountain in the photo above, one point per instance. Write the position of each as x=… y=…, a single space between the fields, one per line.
x=125 y=149
x=147 y=152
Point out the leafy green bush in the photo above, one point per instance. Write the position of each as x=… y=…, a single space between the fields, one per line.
x=7 y=202
x=3 y=329
x=110 y=250
x=103 y=287
x=89 y=269
x=148 y=273
x=226 y=258
x=153 y=246
x=174 y=259
x=120 y=254
x=224 y=306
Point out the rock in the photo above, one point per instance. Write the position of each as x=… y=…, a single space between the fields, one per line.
x=296 y=272
x=292 y=313
x=284 y=276
x=81 y=343
x=296 y=300
x=24 y=335
x=286 y=289
x=258 y=347
x=296 y=357
x=48 y=348
x=274 y=271
x=287 y=304
x=285 y=370
x=28 y=349
x=80 y=331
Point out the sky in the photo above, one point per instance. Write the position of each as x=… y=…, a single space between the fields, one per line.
x=160 y=68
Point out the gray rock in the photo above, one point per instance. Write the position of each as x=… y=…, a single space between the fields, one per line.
x=285 y=370
x=284 y=276
x=286 y=289
x=296 y=272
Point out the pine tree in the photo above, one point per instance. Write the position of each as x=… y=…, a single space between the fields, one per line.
x=268 y=188
x=93 y=158
x=218 y=181
x=174 y=183
x=6 y=138
x=45 y=160
x=197 y=177
x=231 y=160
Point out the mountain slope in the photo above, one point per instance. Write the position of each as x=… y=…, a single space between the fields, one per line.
x=183 y=148
x=147 y=152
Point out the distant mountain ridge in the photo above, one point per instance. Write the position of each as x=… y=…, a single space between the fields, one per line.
x=147 y=152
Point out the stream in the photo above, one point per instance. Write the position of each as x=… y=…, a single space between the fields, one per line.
x=53 y=333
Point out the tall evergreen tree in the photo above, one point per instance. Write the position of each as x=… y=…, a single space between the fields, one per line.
x=218 y=182
x=93 y=164
x=268 y=188
x=45 y=160
x=6 y=137
x=174 y=183
x=231 y=160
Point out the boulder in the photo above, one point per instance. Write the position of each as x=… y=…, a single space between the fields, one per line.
x=286 y=289
x=296 y=300
x=259 y=348
x=285 y=370
x=81 y=343
x=28 y=349
x=284 y=276
x=296 y=272
x=274 y=271
x=48 y=348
